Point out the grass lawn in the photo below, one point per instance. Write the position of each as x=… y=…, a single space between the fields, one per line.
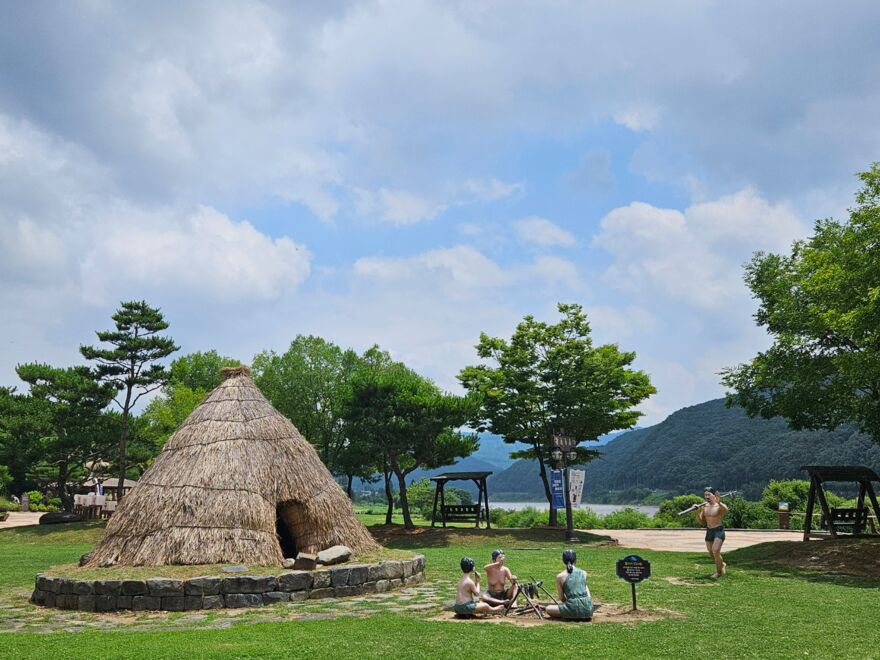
x=761 y=609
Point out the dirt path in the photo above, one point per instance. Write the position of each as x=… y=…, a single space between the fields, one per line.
x=19 y=519
x=691 y=540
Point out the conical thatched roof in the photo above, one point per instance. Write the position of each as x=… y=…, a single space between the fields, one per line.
x=215 y=493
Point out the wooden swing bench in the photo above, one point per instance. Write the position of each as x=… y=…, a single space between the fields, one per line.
x=853 y=521
x=474 y=513
x=460 y=513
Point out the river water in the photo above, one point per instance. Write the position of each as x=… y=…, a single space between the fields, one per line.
x=601 y=509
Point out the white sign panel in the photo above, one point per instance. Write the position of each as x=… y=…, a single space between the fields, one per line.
x=576 y=486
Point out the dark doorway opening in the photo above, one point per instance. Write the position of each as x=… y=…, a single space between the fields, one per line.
x=285 y=537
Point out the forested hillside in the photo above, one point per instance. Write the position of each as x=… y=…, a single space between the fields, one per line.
x=706 y=444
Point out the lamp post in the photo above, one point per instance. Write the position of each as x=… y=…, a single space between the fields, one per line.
x=564 y=452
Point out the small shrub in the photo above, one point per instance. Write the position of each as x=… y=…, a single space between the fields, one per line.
x=3 y=516
x=6 y=505
x=627 y=519
x=56 y=502
x=586 y=519
x=668 y=516
x=35 y=497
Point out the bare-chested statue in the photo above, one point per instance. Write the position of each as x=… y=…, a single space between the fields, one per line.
x=712 y=515
x=469 y=588
x=498 y=574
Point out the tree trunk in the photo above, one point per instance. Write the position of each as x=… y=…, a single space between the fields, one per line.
x=389 y=496
x=348 y=488
x=404 y=504
x=122 y=436
x=62 y=483
x=552 y=519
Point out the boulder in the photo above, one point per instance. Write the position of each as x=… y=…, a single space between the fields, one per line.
x=55 y=517
x=334 y=555
x=288 y=563
x=305 y=562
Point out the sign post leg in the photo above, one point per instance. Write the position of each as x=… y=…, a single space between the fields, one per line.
x=633 y=585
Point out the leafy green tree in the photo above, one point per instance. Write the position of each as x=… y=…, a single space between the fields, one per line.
x=308 y=384
x=409 y=421
x=73 y=403
x=190 y=379
x=5 y=479
x=821 y=305
x=550 y=378
x=131 y=364
x=669 y=510
x=199 y=370
x=421 y=497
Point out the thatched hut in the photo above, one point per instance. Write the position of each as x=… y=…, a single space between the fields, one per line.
x=236 y=483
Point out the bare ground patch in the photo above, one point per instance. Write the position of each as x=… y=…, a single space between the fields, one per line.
x=604 y=613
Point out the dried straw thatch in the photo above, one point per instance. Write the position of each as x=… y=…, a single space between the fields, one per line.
x=234 y=482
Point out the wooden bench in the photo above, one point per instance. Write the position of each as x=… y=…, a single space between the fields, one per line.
x=857 y=518
x=460 y=513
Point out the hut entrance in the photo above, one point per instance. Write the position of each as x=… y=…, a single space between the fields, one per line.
x=285 y=535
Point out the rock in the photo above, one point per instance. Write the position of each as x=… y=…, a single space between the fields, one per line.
x=234 y=569
x=382 y=586
x=334 y=555
x=305 y=562
x=123 y=602
x=243 y=600
x=294 y=581
x=212 y=603
x=272 y=597
x=295 y=596
x=339 y=576
x=321 y=580
x=140 y=603
x=107 y=603
x=84 y=559
x=134 y=587
x=358 y=575
x=38 y=597
x=83 y=587
x=321 y=593
x=164 y=587
x=173 y=603
x=55 y=517
x=249 y=584
x=192 y=602
x=108 y=587
x=203 y=586
x=288 y=563
x=86 y=603
x=349 y=591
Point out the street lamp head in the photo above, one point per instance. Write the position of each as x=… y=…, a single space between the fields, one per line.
x=572 y=455
x=556 y=454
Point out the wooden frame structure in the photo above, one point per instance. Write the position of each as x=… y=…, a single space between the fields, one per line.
x=462 y=512
x=857 y=517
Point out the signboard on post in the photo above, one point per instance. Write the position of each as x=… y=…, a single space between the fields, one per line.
x=556 y=489
x=633 y=569
x=576 y=486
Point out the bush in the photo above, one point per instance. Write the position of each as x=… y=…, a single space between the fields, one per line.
x=56 y=502
x=6 y=505
x=35 y=497
x=5 y=479
x=586 y=519
x=750 y=515
x=668 y=516
x=627 y=519
x=3 y=516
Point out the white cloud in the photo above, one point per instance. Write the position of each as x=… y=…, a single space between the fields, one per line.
x=397 y=207
x=462 y=267
x=205 y=253
x=541 y=231
x=693 y=256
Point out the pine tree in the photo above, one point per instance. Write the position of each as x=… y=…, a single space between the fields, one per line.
x=131 y=364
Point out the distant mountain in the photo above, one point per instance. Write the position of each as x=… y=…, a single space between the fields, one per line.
x=706 y=444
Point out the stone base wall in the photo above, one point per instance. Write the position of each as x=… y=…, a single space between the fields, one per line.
x=204 y=593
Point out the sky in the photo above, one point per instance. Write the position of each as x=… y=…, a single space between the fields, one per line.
x=411 y=173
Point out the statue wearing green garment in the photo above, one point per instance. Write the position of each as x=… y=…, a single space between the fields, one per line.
x=575 y=601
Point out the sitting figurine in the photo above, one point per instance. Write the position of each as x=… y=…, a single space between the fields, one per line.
x=575 y=602
x=468 y=587
x=498 y=593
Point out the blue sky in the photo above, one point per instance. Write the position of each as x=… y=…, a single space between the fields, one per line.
x=412 y=173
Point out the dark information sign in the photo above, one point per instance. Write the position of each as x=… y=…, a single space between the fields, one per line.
x=633 y=569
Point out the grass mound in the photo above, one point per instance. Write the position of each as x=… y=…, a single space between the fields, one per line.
x=851 y=557
x=395 y=536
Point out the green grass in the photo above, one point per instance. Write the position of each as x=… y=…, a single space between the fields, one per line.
x=759 y=610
